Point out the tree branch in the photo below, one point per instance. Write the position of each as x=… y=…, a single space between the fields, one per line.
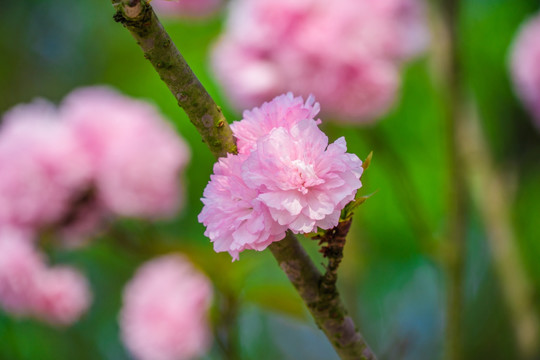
x=159 y=49
x=328 y=311
x=326 y=307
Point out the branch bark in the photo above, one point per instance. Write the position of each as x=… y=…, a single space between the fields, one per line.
x=158 y=48
x=325 y=306
x=328 y=311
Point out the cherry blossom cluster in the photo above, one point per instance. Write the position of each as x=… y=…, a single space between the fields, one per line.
x=186 y=8
x=345 y=52
x=525 y=67
x=165 y=308
x=285 y=176
x=98 y=154
x=58 y=295
x=64 y=171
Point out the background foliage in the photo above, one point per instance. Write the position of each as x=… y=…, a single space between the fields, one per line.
x=392 y=285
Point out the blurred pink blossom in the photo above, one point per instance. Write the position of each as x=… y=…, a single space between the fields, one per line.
x=396 y=29
x=137 y=156
x=57 y=295
x=186 y=8
x=235 y=219
x=344 y=52
x=525 y=65
x=62 y=295
x=42 y=166
x=20 y=265
x=164 y=314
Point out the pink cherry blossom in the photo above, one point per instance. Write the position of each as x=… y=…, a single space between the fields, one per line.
x=396 y=29
x=235 y=219
x=286 y=176
x=304 y=181
x=186 y=8
x=42 y=166
x=57 y=295
x=164 y=314
x=344 y=52
x=62 y=295
x=137 y=157
x=282 y=111
x=20 y=265
x=525 y=68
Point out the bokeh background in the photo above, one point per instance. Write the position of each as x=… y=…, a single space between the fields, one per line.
x=391 y=280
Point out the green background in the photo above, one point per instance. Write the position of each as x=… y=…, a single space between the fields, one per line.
x=393 y=288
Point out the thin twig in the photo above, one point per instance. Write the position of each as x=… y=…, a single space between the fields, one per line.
x=405 y=190
x=491 y=196
x=226 y=332
x=457 y=197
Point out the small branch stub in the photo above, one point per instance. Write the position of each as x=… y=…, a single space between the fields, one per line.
x=133 y=8
x=333 y=242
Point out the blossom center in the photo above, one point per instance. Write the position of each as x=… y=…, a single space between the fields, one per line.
x=304 y=176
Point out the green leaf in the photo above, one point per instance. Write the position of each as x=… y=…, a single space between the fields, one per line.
x=367 y=162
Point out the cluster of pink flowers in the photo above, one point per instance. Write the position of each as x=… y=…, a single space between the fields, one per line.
x=99 y=154
x=136 y=157
x=28 y=287
x=65 y=169
x=187 y=8
x=164 y=314
x=285 y=176
x=525 y=66
x=345 y=52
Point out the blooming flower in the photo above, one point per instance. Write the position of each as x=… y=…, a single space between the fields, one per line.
x=42 y=166
x=62 y=295
x=137 y=156
x=283 y=111
x=20 y=265
x=395 y=29
x=524 y=66
x=99 y=153
x=344 y=52
x=304 y=181
x=235 y=219
x=57 y=295
x=164 y=311
x=286 y=176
